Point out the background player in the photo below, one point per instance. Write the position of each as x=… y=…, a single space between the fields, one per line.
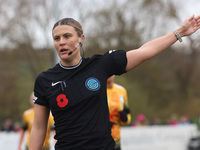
x=28 y=117
x=118 y=109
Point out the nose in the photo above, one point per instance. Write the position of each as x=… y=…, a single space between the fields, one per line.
x=62 y=41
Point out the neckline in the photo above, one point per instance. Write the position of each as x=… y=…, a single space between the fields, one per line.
x=71 y=67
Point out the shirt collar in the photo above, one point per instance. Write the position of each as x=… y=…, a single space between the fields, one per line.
x=71 y=67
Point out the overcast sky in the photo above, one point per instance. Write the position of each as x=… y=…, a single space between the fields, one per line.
x=185 y=8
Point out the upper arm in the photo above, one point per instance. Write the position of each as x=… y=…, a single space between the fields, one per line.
x=41 y=114
x=39 y=128
x=114 y=62
x=135 y=58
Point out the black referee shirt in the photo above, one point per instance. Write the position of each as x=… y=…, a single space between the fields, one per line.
x=78 y=100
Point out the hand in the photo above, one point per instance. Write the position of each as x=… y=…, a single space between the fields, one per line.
x=189 y=26
x=126 y=110
x=123 y=116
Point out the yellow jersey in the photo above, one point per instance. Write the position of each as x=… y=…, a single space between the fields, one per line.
x=117 y=101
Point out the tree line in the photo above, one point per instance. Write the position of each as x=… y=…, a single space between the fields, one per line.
x=166 y=84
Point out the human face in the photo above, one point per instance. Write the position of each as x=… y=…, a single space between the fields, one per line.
x=66 y=40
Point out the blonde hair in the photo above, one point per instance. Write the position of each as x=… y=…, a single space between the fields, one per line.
x=71 y=22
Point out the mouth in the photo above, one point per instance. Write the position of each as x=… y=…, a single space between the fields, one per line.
x=64 y=50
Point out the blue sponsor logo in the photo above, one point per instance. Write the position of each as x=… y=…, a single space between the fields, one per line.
x=92 y=84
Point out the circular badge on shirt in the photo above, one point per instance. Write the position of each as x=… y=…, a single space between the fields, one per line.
x=92 y=84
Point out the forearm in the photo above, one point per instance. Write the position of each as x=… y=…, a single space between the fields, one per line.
x=154 y=47
x=158 y=45
x=148 y=50
x=37 y=137
x=39 y=128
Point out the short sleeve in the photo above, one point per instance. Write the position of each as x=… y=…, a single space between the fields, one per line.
x=39 y=92
x=115 y=62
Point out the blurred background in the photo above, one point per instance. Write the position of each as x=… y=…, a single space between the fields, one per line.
x=164 y=87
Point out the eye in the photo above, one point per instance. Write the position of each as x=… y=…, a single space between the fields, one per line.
x=67 y=36
x=56 y=38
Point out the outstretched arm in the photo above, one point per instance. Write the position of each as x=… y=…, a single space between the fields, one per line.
x=39 y=128
x=154 y=47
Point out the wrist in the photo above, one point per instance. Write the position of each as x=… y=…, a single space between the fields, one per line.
x=180 y=31
x=178 y=35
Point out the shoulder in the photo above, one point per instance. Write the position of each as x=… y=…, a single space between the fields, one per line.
x=115 y=53
x=48 y=73
x=51 y=70
x=93 y=58
x=108 y=53
x=109 y=57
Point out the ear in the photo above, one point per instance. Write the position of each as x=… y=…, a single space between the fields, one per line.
x=82 y=38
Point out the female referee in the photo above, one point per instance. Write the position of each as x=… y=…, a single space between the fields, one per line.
x=75 y=88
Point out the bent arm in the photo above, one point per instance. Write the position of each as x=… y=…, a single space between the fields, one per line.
x=39 y=128
x=154 y=47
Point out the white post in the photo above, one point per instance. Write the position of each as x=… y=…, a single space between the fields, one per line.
x=56 y=17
